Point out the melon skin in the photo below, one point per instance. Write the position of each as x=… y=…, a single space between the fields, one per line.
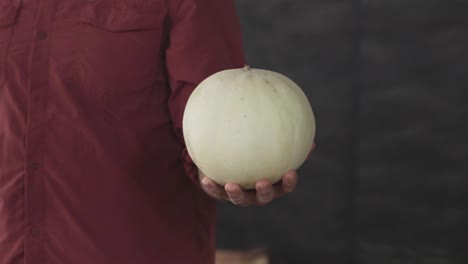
x=244 y=125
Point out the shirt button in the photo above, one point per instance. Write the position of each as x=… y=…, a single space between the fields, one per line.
x=41 y=35
x=35 y=232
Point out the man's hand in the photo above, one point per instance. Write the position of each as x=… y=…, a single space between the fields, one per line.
x=264 y=191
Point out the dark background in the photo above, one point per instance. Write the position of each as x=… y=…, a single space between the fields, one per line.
x=388 y=82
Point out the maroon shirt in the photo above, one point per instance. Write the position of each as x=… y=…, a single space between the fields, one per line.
x=93 y=168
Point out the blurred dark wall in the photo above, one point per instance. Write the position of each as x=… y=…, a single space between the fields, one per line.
x=388 y=81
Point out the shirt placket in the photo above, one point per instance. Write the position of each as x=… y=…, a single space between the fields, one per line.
x=36 y=148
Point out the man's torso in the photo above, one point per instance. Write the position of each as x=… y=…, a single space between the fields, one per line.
x=89 y=164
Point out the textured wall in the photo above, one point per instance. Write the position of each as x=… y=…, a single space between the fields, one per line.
x=413 y=166
x=388 y=81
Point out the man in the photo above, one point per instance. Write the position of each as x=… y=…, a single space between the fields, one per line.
x=93 y=168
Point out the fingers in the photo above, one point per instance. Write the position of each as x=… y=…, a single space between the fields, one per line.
x=231 y=192
x=212 y=189
x=265 y=192
x=289 y=182
x=235 y=193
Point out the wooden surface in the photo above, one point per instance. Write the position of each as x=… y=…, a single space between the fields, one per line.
x=254 y=256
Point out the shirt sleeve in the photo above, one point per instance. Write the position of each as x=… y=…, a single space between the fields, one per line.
x=204 y=38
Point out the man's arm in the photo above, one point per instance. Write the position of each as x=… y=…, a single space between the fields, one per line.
x=204 y=38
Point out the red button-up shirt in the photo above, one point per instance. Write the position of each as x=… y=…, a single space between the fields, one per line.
x=93 y=168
